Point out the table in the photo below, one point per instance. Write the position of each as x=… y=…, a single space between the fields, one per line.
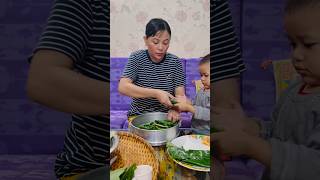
x=169 y=170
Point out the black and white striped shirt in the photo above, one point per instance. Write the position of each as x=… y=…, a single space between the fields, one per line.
x=166 y=75
x=80 y=29
x=225 y=51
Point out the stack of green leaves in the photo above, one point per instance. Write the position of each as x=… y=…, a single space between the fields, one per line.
x=199 y=158
x=128 y=173
x=158 y=124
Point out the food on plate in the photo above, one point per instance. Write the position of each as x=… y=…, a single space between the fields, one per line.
x=199 y=158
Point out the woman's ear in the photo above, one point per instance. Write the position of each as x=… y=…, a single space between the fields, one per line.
x=145 y=39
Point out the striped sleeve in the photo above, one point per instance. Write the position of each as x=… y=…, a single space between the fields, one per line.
x=225 y=51
x=180 y=76
x=130 y=71
x=68 y=28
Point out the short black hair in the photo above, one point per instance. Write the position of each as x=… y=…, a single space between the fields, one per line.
x=293 y=5
x=205 y=59
x=155 y=25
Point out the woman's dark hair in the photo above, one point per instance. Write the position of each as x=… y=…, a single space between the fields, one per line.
x=205 y=59
x=155 y=25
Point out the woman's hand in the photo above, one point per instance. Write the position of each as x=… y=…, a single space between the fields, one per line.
x=173 y=115
x=164 y=98
x=234 y=118
x=234 y=143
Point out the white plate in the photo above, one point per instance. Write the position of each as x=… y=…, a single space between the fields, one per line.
x=192 y=142
x=114 y=141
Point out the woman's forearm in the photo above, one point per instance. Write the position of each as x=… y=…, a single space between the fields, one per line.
x=127 y=88
x=52 y=83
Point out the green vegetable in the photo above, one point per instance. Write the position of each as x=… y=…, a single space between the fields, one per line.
x=115 y=175
x=128 y=173
x=173 y=101
x=192 y=157
x=213 y=130
x=158 y=124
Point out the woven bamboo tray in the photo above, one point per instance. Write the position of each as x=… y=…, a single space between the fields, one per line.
x=134 y=149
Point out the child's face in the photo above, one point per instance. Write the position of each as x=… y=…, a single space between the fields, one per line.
x=158 y=45
x=303 y=29
x=204 y=70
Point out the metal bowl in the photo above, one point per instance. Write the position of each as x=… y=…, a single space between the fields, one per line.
x=154 y=137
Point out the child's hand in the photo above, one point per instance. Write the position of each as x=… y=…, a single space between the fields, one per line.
x=231 y=143
x=228 y=118
x=183 y=107
x=182 y=99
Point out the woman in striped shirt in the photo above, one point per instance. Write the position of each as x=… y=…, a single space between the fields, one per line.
x=153 y=76
x=226 y=64
x=69 y=72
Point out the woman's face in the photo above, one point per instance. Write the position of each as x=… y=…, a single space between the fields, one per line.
x=157 y=45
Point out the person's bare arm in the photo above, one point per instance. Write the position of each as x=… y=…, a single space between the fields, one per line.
x=226 y=92
x=127 y=88
x=52 y=82
x=180 y=91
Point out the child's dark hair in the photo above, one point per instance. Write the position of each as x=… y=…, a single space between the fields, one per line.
x=205 y=59
x=293 y=5
x=155 y=25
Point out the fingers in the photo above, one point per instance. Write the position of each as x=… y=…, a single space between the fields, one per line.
x=173 y=115
x=169 y=116
x=170 y=95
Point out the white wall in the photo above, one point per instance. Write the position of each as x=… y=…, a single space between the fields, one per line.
x=189 y=21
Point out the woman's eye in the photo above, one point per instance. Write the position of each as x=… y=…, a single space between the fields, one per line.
x=309 y=45
x=293 y=45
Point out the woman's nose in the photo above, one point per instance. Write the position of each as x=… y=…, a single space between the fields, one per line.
x=160 y=46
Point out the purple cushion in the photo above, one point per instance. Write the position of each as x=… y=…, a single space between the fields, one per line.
x=27 y=167
x=31 y=143
x=117 y=101
x=240 y=170
x=192 y=73
x=117 y=119
x=25 y=128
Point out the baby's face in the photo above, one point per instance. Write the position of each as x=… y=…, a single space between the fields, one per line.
x=204 y=70
x=303 y=29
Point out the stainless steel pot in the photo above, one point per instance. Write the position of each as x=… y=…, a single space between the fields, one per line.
x=154 y=137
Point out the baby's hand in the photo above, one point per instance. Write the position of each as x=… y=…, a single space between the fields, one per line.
x=181 y=106
x=231 y=143
x=182 y=99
